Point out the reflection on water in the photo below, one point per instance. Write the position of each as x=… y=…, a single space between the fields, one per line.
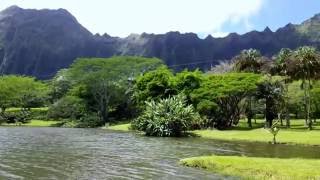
x=61 y=153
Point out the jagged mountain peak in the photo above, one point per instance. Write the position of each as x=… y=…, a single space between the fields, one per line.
x=40 y=42
x=316 y=17
x=12 y=8
x=267 y=30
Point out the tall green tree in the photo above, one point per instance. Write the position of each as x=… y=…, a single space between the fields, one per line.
x=305 y=65
x=281 y=69
x=107 y=80
x=249 y=60
x=20 y=91
x=188 y=81
x=219 y=97
x=59 y=85
x=154 y=85
x=271 y=90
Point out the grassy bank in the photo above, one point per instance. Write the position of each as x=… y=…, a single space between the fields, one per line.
x=262 y=135
x=119 y=127
x=36 y=123
x=257 y=168
x=297 y=134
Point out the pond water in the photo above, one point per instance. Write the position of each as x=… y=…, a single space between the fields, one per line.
x=62 y=153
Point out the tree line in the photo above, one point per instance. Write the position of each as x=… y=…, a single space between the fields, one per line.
x=95 y=91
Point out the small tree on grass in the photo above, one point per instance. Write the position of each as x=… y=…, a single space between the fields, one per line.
x=274 y=129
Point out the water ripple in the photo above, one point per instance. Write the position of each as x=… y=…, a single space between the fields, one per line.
x=58 y=153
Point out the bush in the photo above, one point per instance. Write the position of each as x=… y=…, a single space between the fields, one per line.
x=167 y=117
x=39 y=113
x=69 y=107
x=91 y=120
x=22 y=116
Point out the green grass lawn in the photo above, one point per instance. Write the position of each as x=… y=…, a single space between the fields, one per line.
x=257 y=168
x=262 y=135
x=36 y=123
x=119 y=127
x=297 y=134
x=32 y=109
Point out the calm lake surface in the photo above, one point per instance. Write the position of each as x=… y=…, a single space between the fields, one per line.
x=62 y=153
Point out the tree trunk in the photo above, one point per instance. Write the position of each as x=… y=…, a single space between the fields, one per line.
x=2 y=109
x=287 y=120
x=249 y=122
x=104 y=111
x=249 y=116
x=309 y=106
x=287 y=115
x=305 y=102
x=269 y=113
x=274 y=139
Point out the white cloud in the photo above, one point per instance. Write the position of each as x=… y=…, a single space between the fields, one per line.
x=219 y=34
x=122 y=17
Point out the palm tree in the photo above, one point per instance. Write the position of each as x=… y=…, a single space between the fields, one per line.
x=304 y=64
x=281 y=69
x=249 y=60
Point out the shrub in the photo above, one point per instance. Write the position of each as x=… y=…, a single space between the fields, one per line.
x=89 y=121
x=69 y=107
x=39 y=113
x=167 y=117
x=22 y=116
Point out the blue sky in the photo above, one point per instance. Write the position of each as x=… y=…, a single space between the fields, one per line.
x=277 y=13
x=216 y=17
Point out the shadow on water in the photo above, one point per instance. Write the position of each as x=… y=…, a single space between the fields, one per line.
x=61 y=153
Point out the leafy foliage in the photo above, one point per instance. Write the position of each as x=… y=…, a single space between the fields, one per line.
x=20 y=91
x=219 y=96
x=156 y=84
x=167 y=117
x=250 y=60
x=271 y=90
x=106 y=81
x=68 y=107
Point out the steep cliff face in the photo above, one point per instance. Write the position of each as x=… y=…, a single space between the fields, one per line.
x=40 y=42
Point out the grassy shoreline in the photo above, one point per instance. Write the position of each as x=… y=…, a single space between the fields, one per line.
x=119 y=127
x=257 y=168
x=34 y=123
x=287 y=136
x=241 y=133
x=262 y=135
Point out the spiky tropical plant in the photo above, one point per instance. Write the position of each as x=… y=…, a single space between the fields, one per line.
x=166 y=117
x=274 y=129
